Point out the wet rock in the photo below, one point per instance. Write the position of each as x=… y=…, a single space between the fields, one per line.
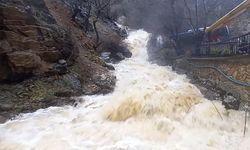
x=119 y=56
x=37 y=93
x=62 y=62
x=115 y=53
x=115 y=48
x=64 y=94
x=95 y=79
x=209 y=94
x=121 y=30
x=231 y=102
x=91 y=89
x=6 y=106
x=60 y=68
x=100 y=84
x=52 y=101
x=110 y=67
x=2 y=119
x=105 y=56
x=105 y=81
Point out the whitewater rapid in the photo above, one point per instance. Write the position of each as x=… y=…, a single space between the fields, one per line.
x=152 y=108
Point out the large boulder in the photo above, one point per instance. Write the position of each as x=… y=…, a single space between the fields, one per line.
x=95 y=79
x=24 y=62
x=114 y=52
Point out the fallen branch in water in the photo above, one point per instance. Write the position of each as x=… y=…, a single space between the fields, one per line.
x=217 y=110
x=246 y=113
x=245 y=126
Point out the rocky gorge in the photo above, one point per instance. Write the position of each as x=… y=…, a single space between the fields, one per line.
x=46 y=58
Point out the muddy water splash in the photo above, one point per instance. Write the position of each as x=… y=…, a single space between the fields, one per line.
x=151 y=108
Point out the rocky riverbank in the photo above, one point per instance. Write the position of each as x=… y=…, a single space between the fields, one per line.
x=46 y=58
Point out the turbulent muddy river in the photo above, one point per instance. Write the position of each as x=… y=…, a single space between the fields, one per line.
x=152 y=108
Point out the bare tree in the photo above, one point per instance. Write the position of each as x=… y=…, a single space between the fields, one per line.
x=87 y=16
x=172 y=17
x=92 y=10
x=175 y=24
x=101 y=8
x=83 y=8
x=198 y=13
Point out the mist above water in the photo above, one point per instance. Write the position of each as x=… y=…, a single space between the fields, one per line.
x=166 y=16
x=152 y=107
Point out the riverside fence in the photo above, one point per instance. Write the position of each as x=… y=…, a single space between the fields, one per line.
x=230 y=47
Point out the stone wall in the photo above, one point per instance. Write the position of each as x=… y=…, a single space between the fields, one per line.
x=238 y=67
x=241 y=24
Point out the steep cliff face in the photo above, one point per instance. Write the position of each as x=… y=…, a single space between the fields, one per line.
x=30 y=47
x=47 y=57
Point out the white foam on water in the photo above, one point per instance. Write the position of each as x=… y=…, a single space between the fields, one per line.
x=152 y=108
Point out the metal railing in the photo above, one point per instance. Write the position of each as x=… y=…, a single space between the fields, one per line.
x=234 y=46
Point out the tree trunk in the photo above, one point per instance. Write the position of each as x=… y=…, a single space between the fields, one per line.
x=96 y=32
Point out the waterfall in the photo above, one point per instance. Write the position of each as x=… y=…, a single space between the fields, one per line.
x=152 y=107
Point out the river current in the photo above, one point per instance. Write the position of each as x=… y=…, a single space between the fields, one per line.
x=152 y=108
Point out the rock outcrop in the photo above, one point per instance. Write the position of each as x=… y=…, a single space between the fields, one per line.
x=30 y=47
x=46 y=58
x=110 y=34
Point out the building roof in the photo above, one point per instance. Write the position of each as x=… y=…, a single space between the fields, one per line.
x=229 y=16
